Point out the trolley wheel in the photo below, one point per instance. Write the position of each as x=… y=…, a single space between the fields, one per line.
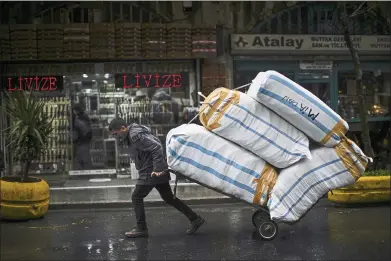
x=268 y=230
x=258 y=217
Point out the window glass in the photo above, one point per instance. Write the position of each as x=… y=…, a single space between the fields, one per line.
x=156 y=100
x=376 y=92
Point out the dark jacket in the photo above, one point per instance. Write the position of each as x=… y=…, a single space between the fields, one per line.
x=148 y=155
x=82 y=132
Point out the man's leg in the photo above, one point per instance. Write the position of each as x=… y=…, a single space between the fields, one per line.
x=167 y=195
x=138 y=196
x=84 y=156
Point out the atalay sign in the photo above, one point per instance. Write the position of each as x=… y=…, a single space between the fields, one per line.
x=254 y=42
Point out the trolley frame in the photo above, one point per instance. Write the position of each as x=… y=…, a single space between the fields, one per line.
x=267 y=228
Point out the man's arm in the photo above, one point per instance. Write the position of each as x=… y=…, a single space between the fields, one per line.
x=143 y=142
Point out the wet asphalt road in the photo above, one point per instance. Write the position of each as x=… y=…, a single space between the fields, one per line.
x=325 y=233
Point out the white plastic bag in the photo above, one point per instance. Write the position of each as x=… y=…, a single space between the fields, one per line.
x=300 y=186
x=220 y=164
x=300 y=107
x=237 y=117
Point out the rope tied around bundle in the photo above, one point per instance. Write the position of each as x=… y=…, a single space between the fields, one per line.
x=209 y=104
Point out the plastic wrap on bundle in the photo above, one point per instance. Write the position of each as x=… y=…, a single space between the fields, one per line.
x=300 y=186
x=237 y=117
x=220 y=164
x=299 y=107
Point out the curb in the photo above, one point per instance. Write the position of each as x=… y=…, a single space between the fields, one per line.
x=365 y=190
x=147 y=203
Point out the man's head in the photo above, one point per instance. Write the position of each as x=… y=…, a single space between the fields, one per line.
x=118 y=128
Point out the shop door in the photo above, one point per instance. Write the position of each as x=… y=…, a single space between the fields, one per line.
x=318 y=84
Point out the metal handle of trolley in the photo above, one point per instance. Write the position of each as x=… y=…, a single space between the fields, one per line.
x=267 y=228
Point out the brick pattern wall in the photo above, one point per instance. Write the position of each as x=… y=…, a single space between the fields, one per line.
x=213 y=76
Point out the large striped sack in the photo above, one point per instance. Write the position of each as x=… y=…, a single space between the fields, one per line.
x=300 y=107
x=220 y=164
x=300 y=186
x=237 y=117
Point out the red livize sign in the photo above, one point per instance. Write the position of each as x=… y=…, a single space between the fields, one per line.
x=156 y=80
x=33 y=83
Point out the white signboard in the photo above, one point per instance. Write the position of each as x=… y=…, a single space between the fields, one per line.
x=258 y=42
x=318 y=65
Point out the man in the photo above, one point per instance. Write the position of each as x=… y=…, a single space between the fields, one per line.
x=82 y=135
x=148 y=154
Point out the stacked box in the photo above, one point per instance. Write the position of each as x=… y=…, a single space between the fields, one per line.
x=128 y=41
x=179 y=43
x=5 y=48
x=50 y=41
x=76 y=41
x=204 y=42
x=102 y=43
x=23 y=42
x=154 y=41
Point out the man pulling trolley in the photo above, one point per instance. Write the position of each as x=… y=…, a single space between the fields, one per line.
x=148 y=155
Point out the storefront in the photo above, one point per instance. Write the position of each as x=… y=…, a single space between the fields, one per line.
x=322 y=64
x=157 y=94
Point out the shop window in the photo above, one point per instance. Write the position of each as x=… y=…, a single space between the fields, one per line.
x=376 y=92
x=156 y=100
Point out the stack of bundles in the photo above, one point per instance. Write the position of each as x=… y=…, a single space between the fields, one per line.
x=301 y=185
x=220 y=164
x=338 y=164
x=266 y=131
x=298 y=106
x=237 y=117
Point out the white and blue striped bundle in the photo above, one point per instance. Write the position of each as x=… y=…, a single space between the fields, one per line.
x=237 y=117
x=298 y=106
x=220 y=164
x=300 y=186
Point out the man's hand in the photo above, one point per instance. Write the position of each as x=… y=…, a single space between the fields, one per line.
x=157 y=174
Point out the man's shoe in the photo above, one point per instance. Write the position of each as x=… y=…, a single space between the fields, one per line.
x=195 y=225
x=135 y=233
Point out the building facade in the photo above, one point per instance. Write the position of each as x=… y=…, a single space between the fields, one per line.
x=304 y=42
x=114 y=59
x=107 y=55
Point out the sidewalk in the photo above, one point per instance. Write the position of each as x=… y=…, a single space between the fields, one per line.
x=117 y=193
